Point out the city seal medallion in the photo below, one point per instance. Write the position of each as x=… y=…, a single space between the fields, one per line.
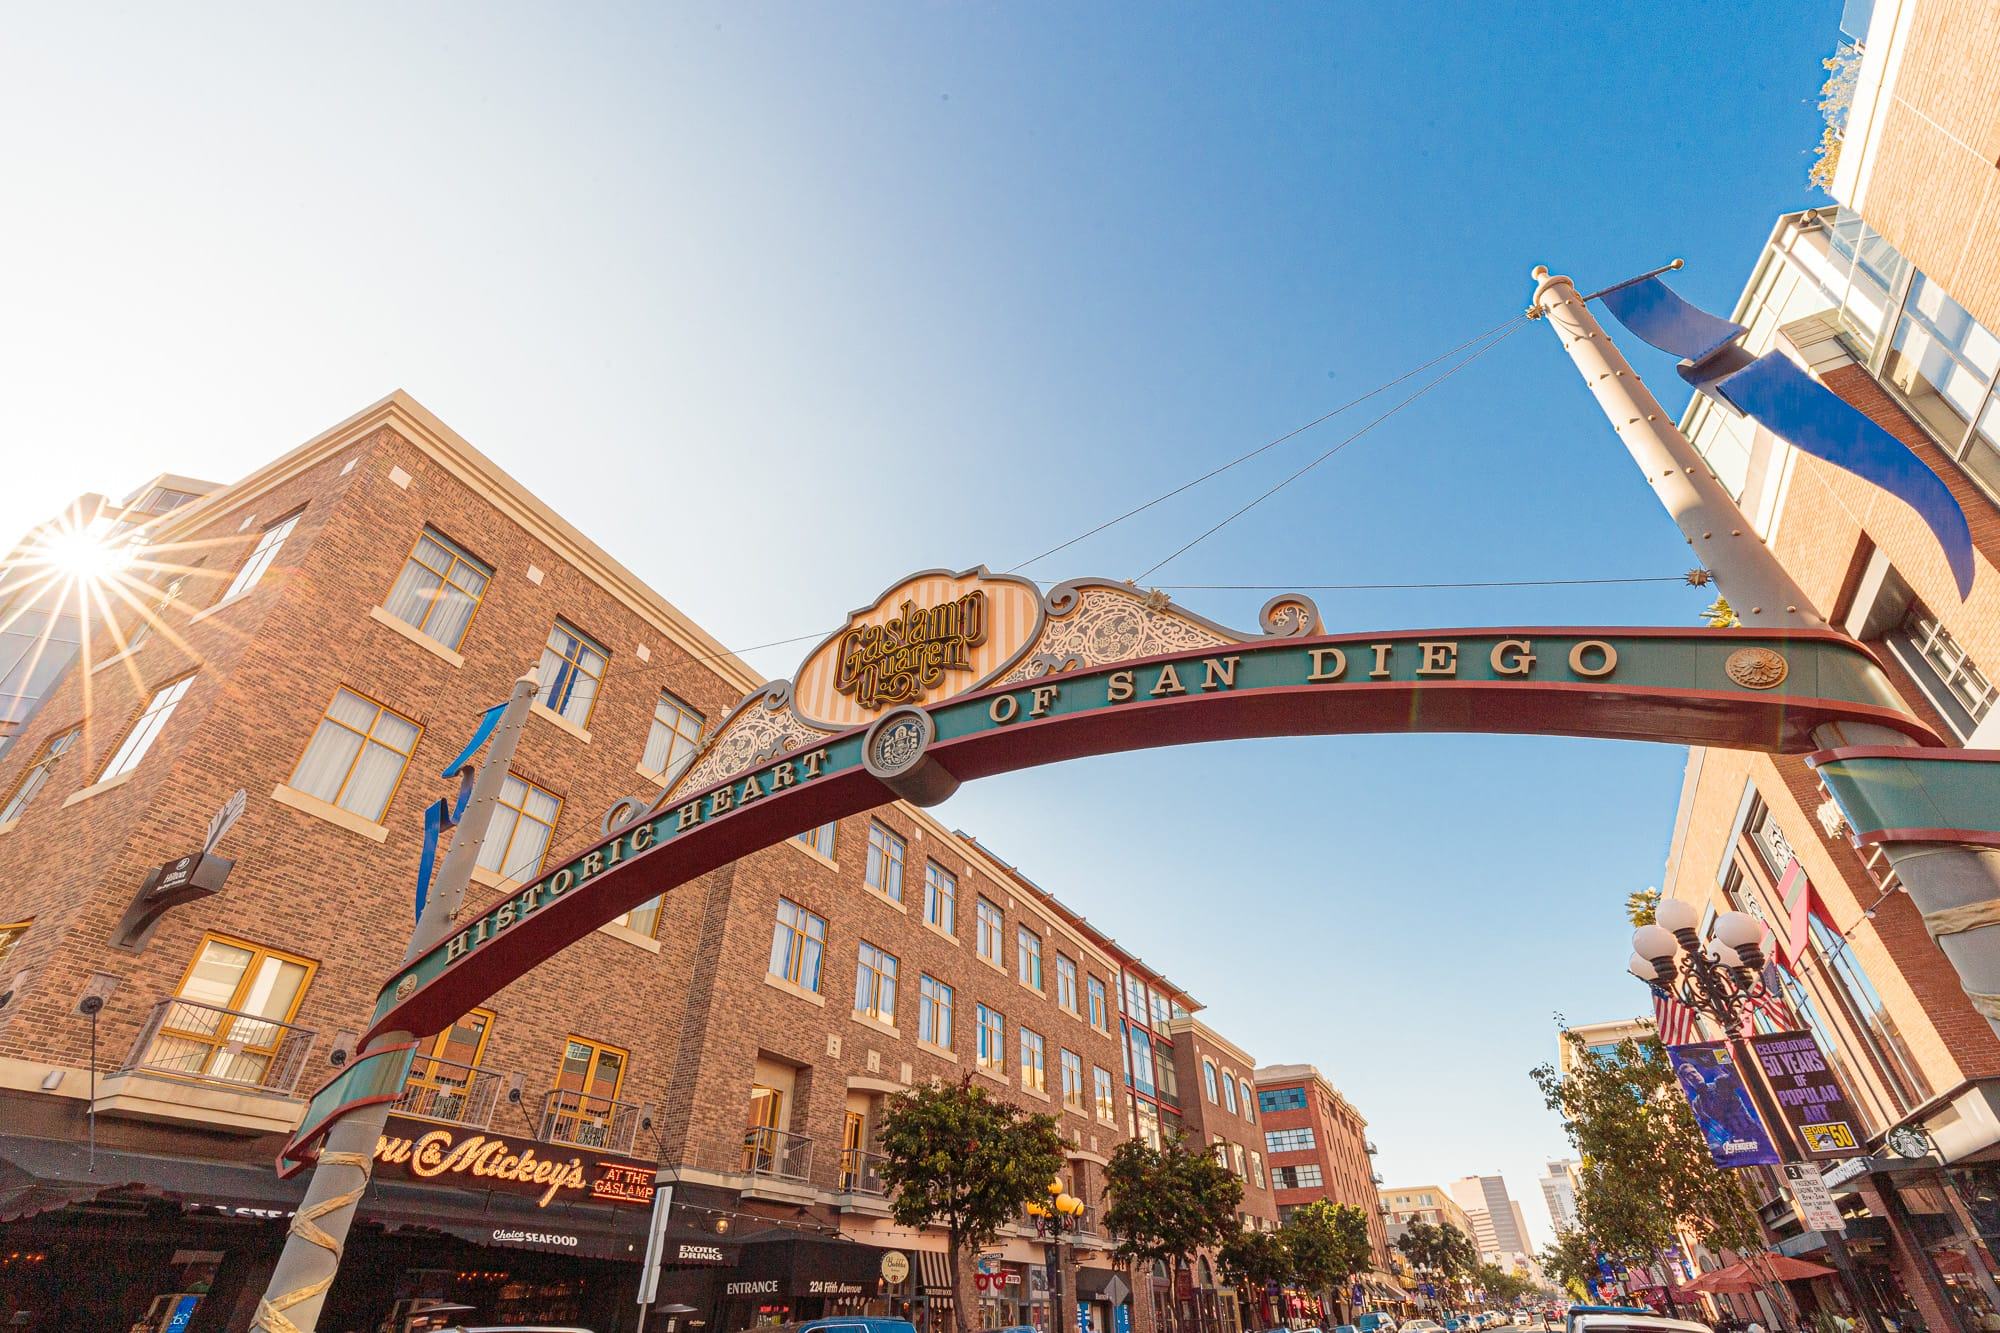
x=1757 y=668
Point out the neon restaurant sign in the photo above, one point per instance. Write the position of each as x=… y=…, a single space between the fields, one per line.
x=948 y=677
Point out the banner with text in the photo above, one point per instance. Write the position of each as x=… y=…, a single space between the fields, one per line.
x=1809 y=1096
x=1722 y=1107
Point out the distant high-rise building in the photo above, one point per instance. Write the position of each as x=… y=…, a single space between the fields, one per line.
x=1496 y=1222
x=1559 y=1188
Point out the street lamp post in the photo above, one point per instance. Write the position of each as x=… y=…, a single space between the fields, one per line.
x=1056 y=1221
x=1722 y=979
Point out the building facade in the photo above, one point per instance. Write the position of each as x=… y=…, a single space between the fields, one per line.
x=1559 y=1192
x=1317 y=1147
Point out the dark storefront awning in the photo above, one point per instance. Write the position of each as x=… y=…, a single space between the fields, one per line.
x=38 y=1175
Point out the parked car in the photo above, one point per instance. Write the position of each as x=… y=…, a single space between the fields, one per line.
x=845 y=1324
x=1521 y=1319
x=1625 y=1322
x=1376 y=1322
x=1422 y=1326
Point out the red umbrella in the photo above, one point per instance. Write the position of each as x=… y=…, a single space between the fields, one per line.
x=1759 y=1270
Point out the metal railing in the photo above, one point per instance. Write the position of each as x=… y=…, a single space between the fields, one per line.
x=449 y=1091
x=777 y=1152
x=210 y=1044
x=861 y=1172
x=585 y=1121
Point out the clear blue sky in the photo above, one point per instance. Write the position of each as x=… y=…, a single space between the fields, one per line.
x=780 y=302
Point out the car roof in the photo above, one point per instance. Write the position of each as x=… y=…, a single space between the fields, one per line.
x=1608 y=1319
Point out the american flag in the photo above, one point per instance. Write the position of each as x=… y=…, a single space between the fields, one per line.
x=1676 y=1021
x=1770 y=1002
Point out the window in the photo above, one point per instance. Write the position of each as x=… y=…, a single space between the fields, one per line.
x=1296 y=1178
x=232 y=1012
x=1236 y=1160
x=645 y=918
x=1142 y=1063
x=439 y=589
x=1163 y=1011
x=1098 y=1005
x=572 y=667
x=585 y=1104
x=1853 y=991
x=763 y=1123
x=1028 y=957
x=1100 y=1082
x=1072 y=1080
x=1147 y=1116
x=1066 y=981
x=1208 y=1080
x=819 y=839
x=440 y=1078
x=1249 y=1100
x=875 y=984
x=37 y=773
x=940 y=897
x=989 y=931
x=1164 y=1075
x=1221 y=1153
x=146 y=730
x=934 y=1012
x=357 y=756
x=261 y=556
x=1949 y=677
x=885 y=865
x=10 y=935
x=1034 y=1062
x=1257 y=1167
x=992 y=1040
x=676 y=731
x=796 y=942
x=1135 y=998
x=1944 y=362
x=1288 y=1140
x=1284 y=1099
x=1229 y=1094
x=518 y=838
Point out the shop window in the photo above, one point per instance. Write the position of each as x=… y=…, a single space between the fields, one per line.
x=940 y=898
x=158 y=712
x=357 y=756
x=934 y=1012
x=268 y=545
x=885 y=865
x=1066 y=982
x=1028 y=957
x=439 y=590
x=875 y=984
x=37 y=774
x=992 y=1040
x=675 y=733
x=1072 y=1080
x=230 y=1018
x=517 y=840
x=585 y=1105
x=988 y=925
x=1034 y=1061
x=572 y=669
x=796 y=942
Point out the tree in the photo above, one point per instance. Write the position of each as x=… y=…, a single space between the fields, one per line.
x=1501 y=1287
x=1443 y=1252
x=1570 y=1262
x=1257 y=1257
x=1168 y=1202
x=1642 y=907
x=1646 y=1171
x=1328 y=1243
x=965 y=1161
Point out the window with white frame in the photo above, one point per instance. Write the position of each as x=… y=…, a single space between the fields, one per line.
x=1229 y=1094
x=1947 y=673
x=269 y=543
x=1288 y=1140
x=1100 y=1016
x=875 y=984
x=675 y=733
x=1257 y=1167
x=158 y=712
x=1208 y=1080
x=357 y=755
x=1249 y=1099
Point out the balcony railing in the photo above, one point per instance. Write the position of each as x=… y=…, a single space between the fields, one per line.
x=209 y=1044
x=449 y=1091
x=1371 y=1148
x=861 y=1172
x=777 y=1152
x=590 y=1122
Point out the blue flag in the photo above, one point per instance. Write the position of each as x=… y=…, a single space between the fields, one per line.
x=1784 y=400
x=442 y=814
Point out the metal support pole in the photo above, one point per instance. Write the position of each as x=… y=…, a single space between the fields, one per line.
x=1944 y=879
x=297 y=1289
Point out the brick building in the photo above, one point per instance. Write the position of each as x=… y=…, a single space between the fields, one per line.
x=320 y=635
x=1903 y=335
x=1317 y=1147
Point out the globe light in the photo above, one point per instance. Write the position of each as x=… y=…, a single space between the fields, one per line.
x=1642 y=969
x=1056 y=1186
x=1678 y=915
x=1656 y=943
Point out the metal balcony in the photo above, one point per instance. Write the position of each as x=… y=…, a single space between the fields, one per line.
x=448 y=1091
x=777 y=1152
x=1372 y=1150
x=1375 y=1177
x=223 y=1047
x=585 y=1121
x=861 y=1173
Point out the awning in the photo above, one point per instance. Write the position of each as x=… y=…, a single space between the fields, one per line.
x=934 y=1274
x=39 y=1175
x=1102 y=1284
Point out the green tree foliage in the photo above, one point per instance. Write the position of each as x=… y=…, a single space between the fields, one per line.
x=1442 y=1251
x=957 y=1158
x=1257 y=1257
x=1642 y=907
x=1645 y=1166
x=1328 y=1243
x=1166 y=1203
x=1570 y=1262
x=1501 y=1286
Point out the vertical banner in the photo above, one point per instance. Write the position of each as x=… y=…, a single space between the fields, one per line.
x=1722 y=1107
x=1809 y=1096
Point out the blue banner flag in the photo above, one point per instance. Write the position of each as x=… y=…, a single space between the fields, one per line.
x=1777 y=395
x=1715 y=1091
x=487 y=721
x=442 y=814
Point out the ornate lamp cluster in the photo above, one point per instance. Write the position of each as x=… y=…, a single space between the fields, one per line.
x=1721 y=978
x=1063 y=1213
